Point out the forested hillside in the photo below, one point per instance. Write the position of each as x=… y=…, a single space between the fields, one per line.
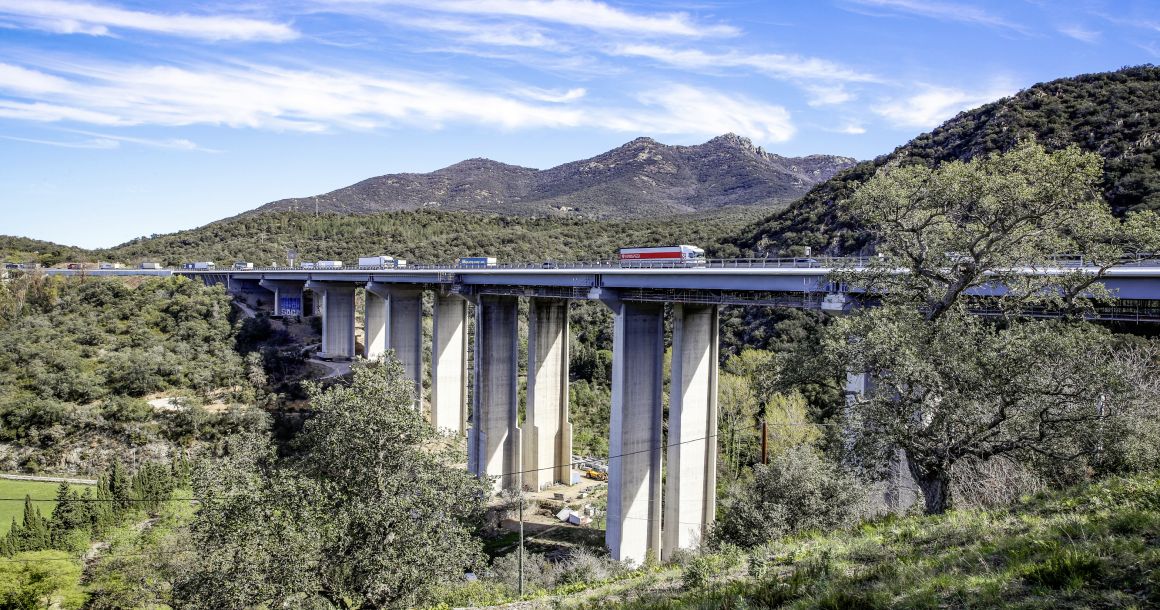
x=1114 y=114
x=78 y=356
x=421 y=236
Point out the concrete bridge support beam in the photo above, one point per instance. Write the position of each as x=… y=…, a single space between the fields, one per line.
x=547 y=435
x=337 y=320
x=493 y=446
x=449 y=364
x=634 y=480
x=691 y=465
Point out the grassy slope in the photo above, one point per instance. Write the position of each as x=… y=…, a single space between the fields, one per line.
x=1098 y=546
x=18 y=489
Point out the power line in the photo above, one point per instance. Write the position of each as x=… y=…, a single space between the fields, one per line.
x=502 y=474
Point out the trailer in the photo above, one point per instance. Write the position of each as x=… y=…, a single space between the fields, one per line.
x=683 y=255
x=243 y=266
x=200 y=266
x=477 y=261
x=150 y=265
x=307 y=265
x=381 y=262
x=110 y=266
x=328 y=265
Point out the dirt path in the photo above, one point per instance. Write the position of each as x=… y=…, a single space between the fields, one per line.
x=337 y=369
x=27 y=477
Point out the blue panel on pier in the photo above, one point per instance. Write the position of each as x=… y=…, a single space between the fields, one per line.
x=290 y=306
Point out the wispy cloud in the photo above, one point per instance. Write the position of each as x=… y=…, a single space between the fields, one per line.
x=510 y=35
x=271 y=98
x=1081 y=34
x=707 y=112
x=944 y=11
x=98 y=143
x=64 y=17
x=933 y=105
x=771 y=64
x=828 y=95
x=588 y=14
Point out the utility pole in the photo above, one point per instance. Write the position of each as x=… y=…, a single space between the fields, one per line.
x=521 y=501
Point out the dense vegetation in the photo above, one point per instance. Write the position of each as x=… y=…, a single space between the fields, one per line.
x=1113 y=114
x=78 y=356
x=420 y=237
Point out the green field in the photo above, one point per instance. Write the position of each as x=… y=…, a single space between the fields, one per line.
x=10 y=509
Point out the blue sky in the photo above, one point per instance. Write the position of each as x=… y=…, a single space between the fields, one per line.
x=120 y=119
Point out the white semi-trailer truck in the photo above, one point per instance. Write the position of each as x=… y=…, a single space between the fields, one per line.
x=666 y=256
x=328 y=265
x=381 y=262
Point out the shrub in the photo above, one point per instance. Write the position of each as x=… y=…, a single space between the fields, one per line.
x=798 y=491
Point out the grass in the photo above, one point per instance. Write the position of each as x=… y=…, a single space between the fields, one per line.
x=37 y=490
x=1095 y=546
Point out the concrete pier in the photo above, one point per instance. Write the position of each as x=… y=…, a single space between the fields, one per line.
x=634 y=479
x=493 y=441
x=405 y=330
x=691 y=464
x=337 y=319
x=547 y=433
x=375 y=320
x=449 y=364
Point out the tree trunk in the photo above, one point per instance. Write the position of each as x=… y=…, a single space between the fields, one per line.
x=935 y=483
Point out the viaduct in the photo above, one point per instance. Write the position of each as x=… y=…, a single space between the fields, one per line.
x=644 y=516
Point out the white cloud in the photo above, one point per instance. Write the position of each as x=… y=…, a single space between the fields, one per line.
x=588 y=14
x=65 y=17
x=828 y=95
x=510 y=35
x=1080 y=33
x=933 y=105
x=554 y=96
x=944 y=11
x=690 y=110
x=770 y=64
x=271 y=98
x=98 y=143
x=852 y=129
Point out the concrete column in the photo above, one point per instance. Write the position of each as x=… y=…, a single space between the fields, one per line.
x=404 y=329
x=634 y=479
x=548 y=439
x=493 y=441
x=375 y=318
x=449 y=365
x=337 y=320
x=691 y=474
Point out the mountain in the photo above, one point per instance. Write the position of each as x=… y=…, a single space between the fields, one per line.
x=1115 y=114
x=640 y=179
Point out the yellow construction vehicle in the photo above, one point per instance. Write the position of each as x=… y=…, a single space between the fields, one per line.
x=596 y=475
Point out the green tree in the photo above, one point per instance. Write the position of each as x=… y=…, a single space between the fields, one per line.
x=799 y=490
x=70 y=519
x=373 y=514
x=946 y=384
x=34 y=532
x=41 y=580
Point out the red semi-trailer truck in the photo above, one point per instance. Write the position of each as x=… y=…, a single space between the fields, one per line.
x=669 y=255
